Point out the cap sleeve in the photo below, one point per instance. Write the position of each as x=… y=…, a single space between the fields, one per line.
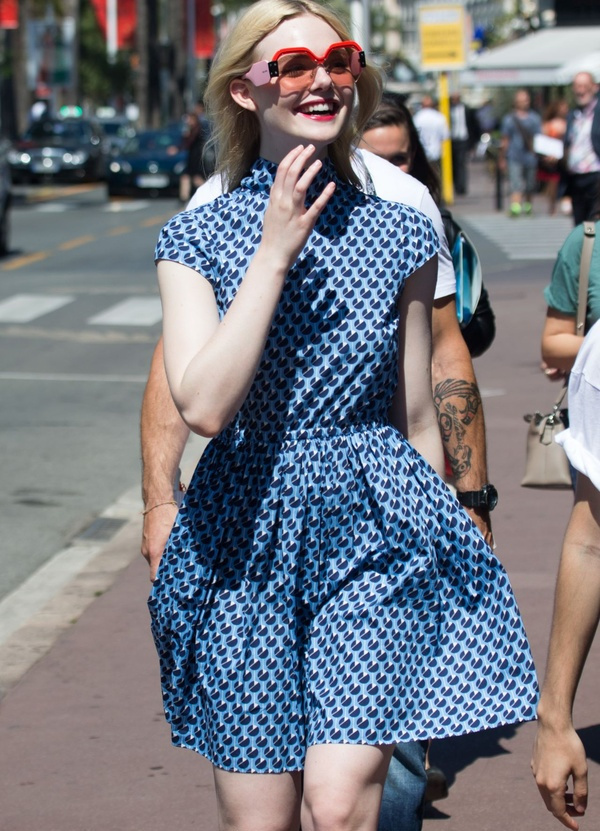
x=181 y=241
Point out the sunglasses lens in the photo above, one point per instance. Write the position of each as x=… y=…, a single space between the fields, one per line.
x=297 y=70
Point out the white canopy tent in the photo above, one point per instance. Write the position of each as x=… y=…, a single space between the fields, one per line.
x=548 y=57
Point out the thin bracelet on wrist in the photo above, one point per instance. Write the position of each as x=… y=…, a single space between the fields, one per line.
x=158 y=505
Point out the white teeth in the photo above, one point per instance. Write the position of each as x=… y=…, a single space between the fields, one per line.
x=318 y=108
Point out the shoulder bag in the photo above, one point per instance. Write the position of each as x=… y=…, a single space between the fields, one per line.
x=546 y=464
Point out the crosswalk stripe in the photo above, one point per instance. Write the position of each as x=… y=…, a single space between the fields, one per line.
x=73 y=378
x=53 y=208
x=525 y=238
x=23 y=308
x=136 y=311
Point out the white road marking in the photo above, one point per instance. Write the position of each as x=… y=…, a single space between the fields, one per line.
x=53 y=207
x=126 y=207
x=524 y=238
x=63 y=376
x=23 y=308
x=137 y=311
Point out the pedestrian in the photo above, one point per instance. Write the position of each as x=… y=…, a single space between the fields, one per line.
x=486 y=117
x=433 y=130
x=554 y=125
x=456 y=395
x=391 y=134
x=517 y=155
x=582 y=148
x=196 y=139
x=560 y=341
x=301 y=622
x=559 y=760
x=464 y=135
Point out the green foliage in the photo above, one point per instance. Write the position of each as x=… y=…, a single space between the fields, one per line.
x=99 y=80
x=40 y=8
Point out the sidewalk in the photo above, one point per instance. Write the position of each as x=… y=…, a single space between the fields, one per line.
x=84 y=745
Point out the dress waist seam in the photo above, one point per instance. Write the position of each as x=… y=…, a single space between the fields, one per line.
x=245 y=436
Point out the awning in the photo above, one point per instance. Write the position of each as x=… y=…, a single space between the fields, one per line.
x=547 y=57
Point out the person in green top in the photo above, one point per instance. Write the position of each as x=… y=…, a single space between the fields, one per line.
x=560 y=344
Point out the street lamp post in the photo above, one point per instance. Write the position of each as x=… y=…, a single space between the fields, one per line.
x=360 y=23
x=191 y=54
x=111 y=30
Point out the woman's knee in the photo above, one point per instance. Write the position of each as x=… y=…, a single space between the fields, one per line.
x=258 y=802
x=323 y=810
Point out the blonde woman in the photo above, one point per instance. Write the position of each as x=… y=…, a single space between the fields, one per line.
x=322 y=595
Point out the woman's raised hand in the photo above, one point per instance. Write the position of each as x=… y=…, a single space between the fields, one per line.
x=288 y=222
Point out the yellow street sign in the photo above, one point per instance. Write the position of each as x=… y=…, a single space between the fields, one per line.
x=443 y=37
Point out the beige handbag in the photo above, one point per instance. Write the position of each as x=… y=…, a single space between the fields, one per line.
x=546 y=464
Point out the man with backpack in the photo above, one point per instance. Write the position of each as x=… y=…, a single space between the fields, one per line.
x=517 y=156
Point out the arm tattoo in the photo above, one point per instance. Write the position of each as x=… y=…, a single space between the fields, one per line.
x=457 y=403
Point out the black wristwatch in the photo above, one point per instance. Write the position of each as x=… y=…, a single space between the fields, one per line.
x=487 y=497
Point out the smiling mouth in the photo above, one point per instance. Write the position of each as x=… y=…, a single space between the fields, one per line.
x=319 y=108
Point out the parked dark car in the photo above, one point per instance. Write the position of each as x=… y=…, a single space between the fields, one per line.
x=118 y=130
x=65 y=149
x=150 y=163
x=5 y=197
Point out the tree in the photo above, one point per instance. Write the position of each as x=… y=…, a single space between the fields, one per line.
x=100 y=81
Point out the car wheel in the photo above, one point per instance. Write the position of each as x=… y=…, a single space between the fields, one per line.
x=5 y=229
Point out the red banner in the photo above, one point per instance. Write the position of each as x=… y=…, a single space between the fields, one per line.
x=205 y=30
x=9 y=14
x=126 y=21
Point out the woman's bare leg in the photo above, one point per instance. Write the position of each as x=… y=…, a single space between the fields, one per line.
x=258 y=801
x=342 y=787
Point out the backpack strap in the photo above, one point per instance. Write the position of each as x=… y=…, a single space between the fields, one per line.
x=589 y=234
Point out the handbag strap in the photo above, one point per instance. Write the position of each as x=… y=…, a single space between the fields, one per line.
x=589 y=234
x=559 y=400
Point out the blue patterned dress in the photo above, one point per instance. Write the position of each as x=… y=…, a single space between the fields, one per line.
x=321 y=583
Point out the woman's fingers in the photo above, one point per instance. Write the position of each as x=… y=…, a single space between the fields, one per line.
x=288 y=221
x=317 y=206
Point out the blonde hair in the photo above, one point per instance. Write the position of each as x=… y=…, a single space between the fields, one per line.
x=236 y=131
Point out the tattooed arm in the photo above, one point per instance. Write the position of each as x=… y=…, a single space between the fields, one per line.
x=458 y=404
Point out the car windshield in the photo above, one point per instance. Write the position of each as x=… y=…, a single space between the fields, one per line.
x=117 y=128
x=69 y=130
x=153 y=141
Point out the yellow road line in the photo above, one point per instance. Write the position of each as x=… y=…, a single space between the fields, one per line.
x=155 y=220
x=122 y=229
x=55 y=192
x=19 y=262
x=75 y=243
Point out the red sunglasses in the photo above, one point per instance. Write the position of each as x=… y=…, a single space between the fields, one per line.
x=343 y=62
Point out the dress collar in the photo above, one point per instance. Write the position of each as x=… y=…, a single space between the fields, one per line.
x=262 y=175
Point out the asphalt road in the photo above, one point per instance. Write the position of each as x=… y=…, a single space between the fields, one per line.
x=79 y=315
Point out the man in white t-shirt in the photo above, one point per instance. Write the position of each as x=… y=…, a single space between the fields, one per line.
x=433 y=129
x=558 y=753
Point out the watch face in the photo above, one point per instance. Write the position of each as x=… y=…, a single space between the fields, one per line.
x=492 y=497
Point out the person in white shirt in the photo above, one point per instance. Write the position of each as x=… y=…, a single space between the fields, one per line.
x=464 y=136
x=582 y=148
x=433 y=129
x=558 y=753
